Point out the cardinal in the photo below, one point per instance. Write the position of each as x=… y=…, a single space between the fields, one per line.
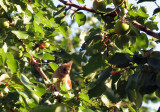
x=63 y=75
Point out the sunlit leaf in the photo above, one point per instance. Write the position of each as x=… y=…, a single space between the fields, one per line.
x=3 y=54
x=63 y=29
x=21 y=34
x=50 y=108
x=39 y=90
x=54 y=66
x=48 y=56
x=12 y=63
x=80 y=18
x=85 y=97
x=141 y=13
x=39 y=2
x=3 y=5
x=141 y=42
x=26 y=81
x=81 y=1
x=88 y=110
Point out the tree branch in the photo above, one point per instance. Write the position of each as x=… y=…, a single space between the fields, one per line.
x=113 y=14
x=145 y=29
x=39 y=69
x=22 y=43
x=33 y=62
x=77 y=6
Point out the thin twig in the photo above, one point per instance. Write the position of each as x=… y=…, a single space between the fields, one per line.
x=77 y=6
x=38 y=68
x=22 y=43
x=145 y=29
x=157 y=4
x=33 y=62
x=113 y=14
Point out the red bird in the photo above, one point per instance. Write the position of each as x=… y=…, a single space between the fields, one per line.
x=62 y=73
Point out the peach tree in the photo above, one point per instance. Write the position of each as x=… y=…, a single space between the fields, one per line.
x=115 y=66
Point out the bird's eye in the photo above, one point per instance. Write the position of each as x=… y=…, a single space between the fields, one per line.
x=64 y=69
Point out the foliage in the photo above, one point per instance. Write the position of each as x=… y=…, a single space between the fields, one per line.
x=110 y=71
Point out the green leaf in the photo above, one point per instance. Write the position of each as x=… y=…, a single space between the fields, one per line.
x=39 y=90
x=3 y=5
x=154 y=62
x=132 y=95
x=104 y=75
x=3 y=54
x=88 y=110
x=157 y=10
x=80 y=18
x=54 y=66
x=31 y=98
x=60 y=9
x=109 y=93
x=115 y=78
x=133 y=82
x=95 y=62
x=27 y=17
x=21 y=4
x=38 y=28
x=139 y=99
x=121 y=88
x=37 y=18
x=85 y=97
x=39 y=2
x=50 y=108
x=12 y=63
x=26 y=81
x=62 y=53
x=21 y=34
x=120 y=58
x=98 y=90
x=141 y=42
x=122 y=42
x=64 y=89
x=139 y=59
x=140 y=1
x=141 y=13
x=48 y=56
x=77 y=58
x=81 y=1
x=63 y=28
x=19 y=10
x=152 y=25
